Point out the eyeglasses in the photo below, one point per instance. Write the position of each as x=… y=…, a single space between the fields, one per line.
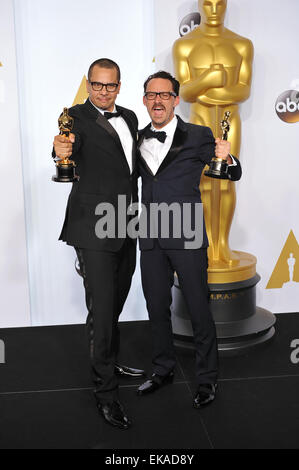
x=164 y=95
x=110 y=87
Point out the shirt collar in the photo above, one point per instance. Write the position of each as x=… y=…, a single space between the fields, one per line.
x=102 y=111
x=169 y=128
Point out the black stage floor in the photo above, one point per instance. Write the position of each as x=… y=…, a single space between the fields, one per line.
x=46 y=399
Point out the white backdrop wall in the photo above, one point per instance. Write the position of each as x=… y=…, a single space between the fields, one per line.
x=14 y=290
x=56 y=42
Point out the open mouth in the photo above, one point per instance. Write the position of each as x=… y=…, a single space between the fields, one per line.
x=158 y=110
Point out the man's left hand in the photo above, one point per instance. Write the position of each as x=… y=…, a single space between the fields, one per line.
x=222 y=151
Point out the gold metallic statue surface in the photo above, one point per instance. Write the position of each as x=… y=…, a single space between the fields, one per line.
x=225 y=125
x=214 y=67
x=65 y=124
x=65 y=169
x=219 y=167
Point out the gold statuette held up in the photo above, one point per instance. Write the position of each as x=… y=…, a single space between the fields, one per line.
x=65 y=123
x=218 y=167
x=225 y=125
x=65 y=169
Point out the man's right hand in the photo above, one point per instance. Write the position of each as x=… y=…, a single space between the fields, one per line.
x=63 y=146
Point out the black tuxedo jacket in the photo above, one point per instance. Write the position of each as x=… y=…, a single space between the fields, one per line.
x=178 y=178
x=104 y=175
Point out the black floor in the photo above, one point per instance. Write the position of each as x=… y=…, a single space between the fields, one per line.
x=46 y=399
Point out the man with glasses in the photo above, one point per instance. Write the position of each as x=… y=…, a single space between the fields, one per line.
x=173 y=155
x=103 y=146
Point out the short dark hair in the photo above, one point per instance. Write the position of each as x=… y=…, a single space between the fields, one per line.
x=105 y=64
x=165 y=76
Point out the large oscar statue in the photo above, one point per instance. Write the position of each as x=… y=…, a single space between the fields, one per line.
x=214 y=67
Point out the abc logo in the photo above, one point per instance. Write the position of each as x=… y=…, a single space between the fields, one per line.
x=189 y=23
x=287 y=106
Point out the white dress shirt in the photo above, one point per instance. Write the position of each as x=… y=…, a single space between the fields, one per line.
x=154 y=152
x=124 y=134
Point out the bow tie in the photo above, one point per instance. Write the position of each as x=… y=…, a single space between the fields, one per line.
x=161 y=136
x=112 y=115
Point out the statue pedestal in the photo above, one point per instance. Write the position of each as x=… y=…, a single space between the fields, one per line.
x=240 y=324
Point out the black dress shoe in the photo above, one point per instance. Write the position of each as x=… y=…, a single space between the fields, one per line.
x=206 y=394
x=128 y=371
x=114 y=414
x=156 y=382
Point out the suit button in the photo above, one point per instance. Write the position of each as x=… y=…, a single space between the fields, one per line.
x=156 y=180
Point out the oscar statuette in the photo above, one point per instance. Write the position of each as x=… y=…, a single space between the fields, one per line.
x=218 y=167
x=65 y=169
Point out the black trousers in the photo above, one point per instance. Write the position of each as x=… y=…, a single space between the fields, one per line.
x=158 y=267
x=107 y=281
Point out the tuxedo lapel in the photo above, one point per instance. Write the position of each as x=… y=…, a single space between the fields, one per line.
x=179 y=139
x=105 y=124
x=140 y=142
x=141 y=136
x=130 y=124
x=133 y=131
